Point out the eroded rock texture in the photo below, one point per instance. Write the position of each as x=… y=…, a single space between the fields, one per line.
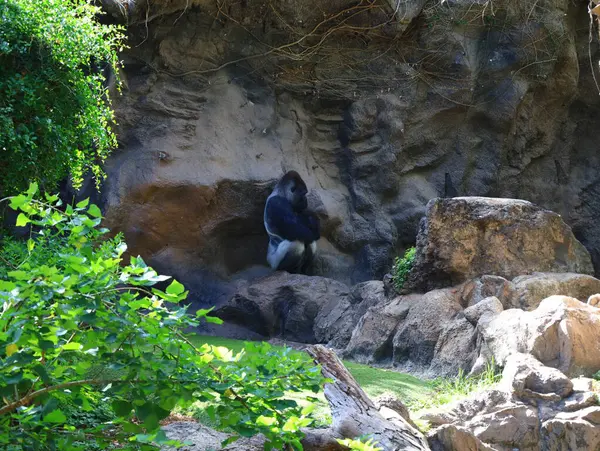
x=442 y=331
x=467 y=237
x=534 y=408
x=381 y=106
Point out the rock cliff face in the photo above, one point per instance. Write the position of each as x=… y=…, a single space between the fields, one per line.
x=380 y=105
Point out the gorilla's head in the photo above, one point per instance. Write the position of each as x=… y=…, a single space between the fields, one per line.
x=292 y=187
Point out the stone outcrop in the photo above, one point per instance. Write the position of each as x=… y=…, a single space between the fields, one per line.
x=527 y=377
x=338 y=317
x=466 y=237
x=434 y=334
x=529 y=290
x=534 y=408
x=413 y=331
x=562 y=333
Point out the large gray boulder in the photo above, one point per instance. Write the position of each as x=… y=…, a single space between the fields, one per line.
x=416 y=338
x=464 y=327
x=572 y=431
x=466 y=237
x=371 y=339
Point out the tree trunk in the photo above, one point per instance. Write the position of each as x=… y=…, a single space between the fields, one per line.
x=354 y=414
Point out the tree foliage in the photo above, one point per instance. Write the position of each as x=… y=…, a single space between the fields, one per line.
x=76 y=323
x=54 y=109
x=360 y=444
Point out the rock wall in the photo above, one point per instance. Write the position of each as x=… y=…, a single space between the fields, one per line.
x=380 y=105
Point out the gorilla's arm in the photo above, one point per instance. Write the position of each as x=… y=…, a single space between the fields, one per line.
x=311 y=221
x=284 y=222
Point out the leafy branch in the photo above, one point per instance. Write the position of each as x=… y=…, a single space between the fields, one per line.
x=73 y=307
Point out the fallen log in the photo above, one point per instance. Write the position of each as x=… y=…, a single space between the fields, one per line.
x=354 y=414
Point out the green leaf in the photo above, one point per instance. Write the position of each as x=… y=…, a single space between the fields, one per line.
x=122 y=408
x=94 y=211
x=308 y=409
x=265 y=421
x=18 y=201
x=72 y=346
x=33 y=187
x=30 y=245
x=203 y=312
x=22 y=220
x=56 y=416
x=175 y=288
x=19 y=275
x=84 y=203
x=229 y=440
x=222 y=353
x=11 y=349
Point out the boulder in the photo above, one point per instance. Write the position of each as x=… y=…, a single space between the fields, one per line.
x=455 y=349
x=594 y=300
x=486 y=307
x=492 y=419
x=529 y=290
x=475 y=290
x=339 y=316
x=371 y=339
x=527 y=377
x=572 y=431
x=577 y=401
x=412 y=331
x=466 y=237
x=417 y=336
x=464 y=410
x=432 y=333
x=203 y=438
x=513 y=426
x=527 y=411
x=282 y=305
x=456 y=438
x=562 y=333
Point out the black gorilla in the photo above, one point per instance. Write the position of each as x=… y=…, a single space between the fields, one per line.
x=293 y=231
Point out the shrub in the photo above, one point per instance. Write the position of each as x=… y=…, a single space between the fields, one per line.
x=80 y=323
x=402 y=267
x=54 y=109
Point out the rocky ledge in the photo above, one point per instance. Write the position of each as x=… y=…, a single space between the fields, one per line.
x=534 y=408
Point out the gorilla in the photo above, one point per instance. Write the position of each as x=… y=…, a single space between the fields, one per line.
x=293 y=230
